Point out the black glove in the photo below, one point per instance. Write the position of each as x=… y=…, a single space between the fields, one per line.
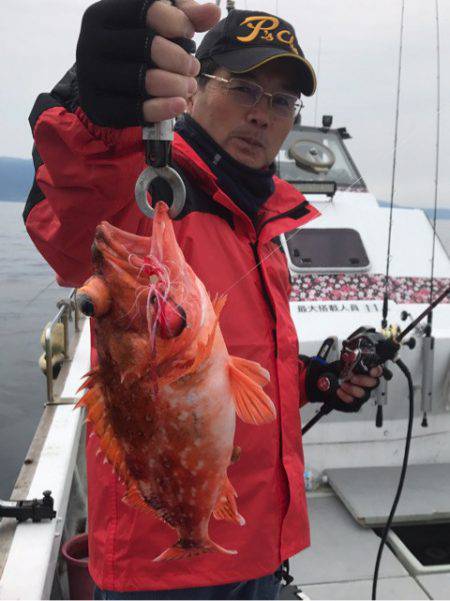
x=318 y=373
x=113 y=55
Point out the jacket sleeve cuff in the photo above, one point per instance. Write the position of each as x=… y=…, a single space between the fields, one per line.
x=129 y=138
x=302 y=369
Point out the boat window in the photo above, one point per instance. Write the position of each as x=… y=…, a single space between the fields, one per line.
x=313 y=154
x=326 y=249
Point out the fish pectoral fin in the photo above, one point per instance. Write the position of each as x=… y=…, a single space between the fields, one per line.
x=252 y=404
x=252 y=369
x=226 y=507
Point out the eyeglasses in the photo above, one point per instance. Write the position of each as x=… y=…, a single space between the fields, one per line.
x=248 y=93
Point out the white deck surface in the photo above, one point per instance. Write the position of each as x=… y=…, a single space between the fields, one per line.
x=368 y=493
x=341 y=550
x=436 y=585
x=388 y=588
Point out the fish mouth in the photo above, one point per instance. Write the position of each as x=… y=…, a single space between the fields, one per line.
x=132 y=251
x=126 y=253
x=119 y=243
x=131 y=262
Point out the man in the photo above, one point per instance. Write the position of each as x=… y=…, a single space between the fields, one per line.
x=88 y=155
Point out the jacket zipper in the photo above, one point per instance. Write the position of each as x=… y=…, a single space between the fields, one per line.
x=265 y=293
x=296 y=212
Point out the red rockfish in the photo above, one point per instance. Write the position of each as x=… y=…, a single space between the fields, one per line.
x=164 y=397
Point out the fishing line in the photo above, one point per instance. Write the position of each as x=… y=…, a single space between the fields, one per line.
x=36 y=296
x=436 y=177
x=387 y=527
x=394 y=167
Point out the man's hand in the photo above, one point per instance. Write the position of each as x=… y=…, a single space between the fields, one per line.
x=350 y=396
x=358 y=386
x=172 y=80
x=130 y=69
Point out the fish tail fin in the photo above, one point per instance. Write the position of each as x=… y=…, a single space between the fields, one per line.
x=252 y=404
x=181 y=551
x=226 y=507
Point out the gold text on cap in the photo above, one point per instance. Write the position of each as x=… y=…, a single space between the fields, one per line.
x=263 y=26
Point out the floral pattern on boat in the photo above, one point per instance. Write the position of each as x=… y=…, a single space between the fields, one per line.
x=362 y=287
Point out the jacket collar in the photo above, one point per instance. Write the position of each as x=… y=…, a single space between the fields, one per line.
x=284 y=210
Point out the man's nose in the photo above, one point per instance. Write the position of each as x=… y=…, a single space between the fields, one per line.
x=260 y=113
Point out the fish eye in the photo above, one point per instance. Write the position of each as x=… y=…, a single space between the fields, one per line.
x=152 y=299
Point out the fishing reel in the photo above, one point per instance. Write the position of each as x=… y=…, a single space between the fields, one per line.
x=361 y=351
x=364 y=349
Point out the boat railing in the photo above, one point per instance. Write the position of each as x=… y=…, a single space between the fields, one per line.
x=68 y=311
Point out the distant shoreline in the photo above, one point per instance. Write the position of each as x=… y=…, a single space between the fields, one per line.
x=443 y=213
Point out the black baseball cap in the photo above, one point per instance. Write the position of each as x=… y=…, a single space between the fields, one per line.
x=246 y=39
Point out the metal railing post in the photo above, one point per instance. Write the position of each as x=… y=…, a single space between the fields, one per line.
x=64 y=315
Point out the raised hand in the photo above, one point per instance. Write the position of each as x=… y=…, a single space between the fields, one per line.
x=133 y=59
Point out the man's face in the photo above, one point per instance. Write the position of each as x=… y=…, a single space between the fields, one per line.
x=251 y=135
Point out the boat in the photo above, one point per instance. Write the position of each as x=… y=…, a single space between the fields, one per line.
x=352 y=461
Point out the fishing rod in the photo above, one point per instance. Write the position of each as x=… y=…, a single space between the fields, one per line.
x=381 y=396
x=428 y=340
x=361 y=351
x=230 y=5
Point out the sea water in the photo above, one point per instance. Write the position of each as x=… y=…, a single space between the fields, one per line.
x=28 y=296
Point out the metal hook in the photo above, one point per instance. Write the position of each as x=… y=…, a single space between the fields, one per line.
x=158 y=140
x=172 y=178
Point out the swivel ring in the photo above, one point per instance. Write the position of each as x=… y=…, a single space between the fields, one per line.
x=172 y=178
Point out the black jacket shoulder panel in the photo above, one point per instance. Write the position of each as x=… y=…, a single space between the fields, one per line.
x=65 y=94
x=35 y=196
x=197 y=200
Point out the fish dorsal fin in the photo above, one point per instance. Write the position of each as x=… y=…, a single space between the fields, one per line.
x=252 y=404
x=218 y=303
x=90 y=379
x=96 y=413
x=226 y=507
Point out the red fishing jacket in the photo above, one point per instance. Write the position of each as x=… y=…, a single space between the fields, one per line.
x=86 y=174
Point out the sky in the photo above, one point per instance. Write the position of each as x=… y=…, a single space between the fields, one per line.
x=354 y=47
